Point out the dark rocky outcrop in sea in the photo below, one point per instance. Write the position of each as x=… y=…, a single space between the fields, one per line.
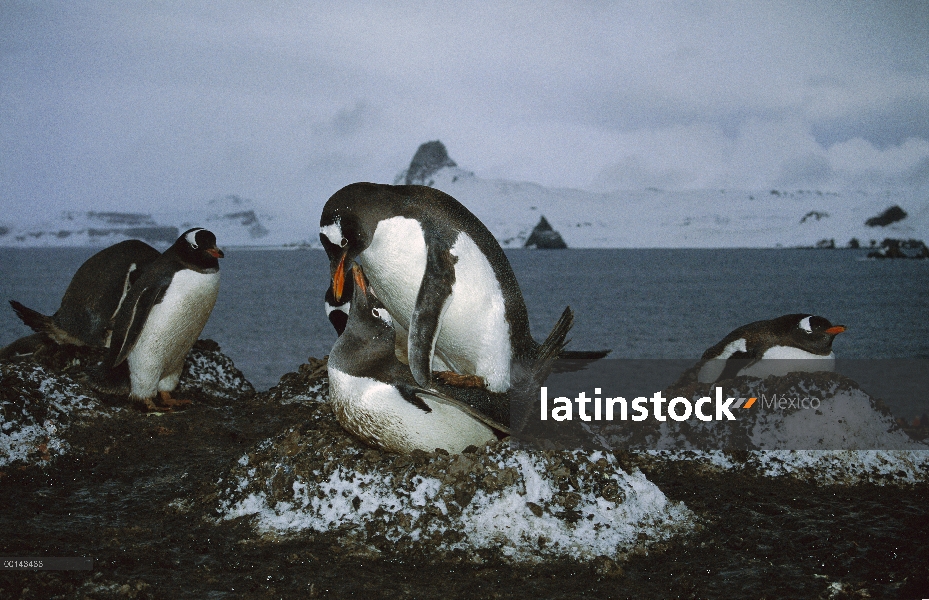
x=894 y=248
x=544 y=237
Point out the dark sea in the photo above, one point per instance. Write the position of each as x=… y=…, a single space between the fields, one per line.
x=640 y=303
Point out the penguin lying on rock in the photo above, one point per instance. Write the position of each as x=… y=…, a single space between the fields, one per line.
x=375 y=397
x=441 y=275
x=160 y=319
x=748 y=350
x=95 y=294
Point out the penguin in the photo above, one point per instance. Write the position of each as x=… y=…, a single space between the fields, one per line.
x=441 y=275
x=375 y=397
x=95 y=294
x=161 y=318
x=799 y=337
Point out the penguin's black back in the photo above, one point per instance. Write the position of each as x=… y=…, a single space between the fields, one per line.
x=97 y=288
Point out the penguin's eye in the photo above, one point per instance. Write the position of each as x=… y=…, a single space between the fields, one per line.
x=381 y=314
x=343 y=243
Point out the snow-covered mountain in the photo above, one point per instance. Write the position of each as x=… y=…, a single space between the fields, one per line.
x=649 y=218
x=235 y=221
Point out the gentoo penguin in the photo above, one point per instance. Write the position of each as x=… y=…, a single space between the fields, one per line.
x=440 y=273
x=95 y=294
x=161 y=318
x=375 y=397
x=806 y=339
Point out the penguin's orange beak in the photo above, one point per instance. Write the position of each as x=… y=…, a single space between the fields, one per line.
x=338 y=279
x=836 y=330
x=359 y=279
x=215 y=252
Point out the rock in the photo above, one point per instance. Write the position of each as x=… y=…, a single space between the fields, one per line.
x=891 y=215
x=499 y=498
x=44 y=395
x=895 y=248
x=429 y=158
x=544 y=237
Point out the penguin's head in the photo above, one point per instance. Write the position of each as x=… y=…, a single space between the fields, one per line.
x=813 y=333
x=338 y=311
x=369 y=318
x=197 y=246
x=343 y=237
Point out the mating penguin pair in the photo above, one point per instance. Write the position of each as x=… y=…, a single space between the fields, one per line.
x=375 y=396
x=96 y=292
x=147 y=307
x=806 y=340
x=441 y=275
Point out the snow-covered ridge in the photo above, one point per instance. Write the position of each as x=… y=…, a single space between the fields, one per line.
x=650 y=218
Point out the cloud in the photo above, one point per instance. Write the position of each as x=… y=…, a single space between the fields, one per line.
x=136 y=105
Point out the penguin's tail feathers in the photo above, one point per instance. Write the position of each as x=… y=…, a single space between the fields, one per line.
x=554 y=344
x=40 y=323
x=35 y=320
x=110 y=380
x=529 y=375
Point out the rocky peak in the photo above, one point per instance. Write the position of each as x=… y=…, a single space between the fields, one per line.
x=429 y=158
x=545 y=237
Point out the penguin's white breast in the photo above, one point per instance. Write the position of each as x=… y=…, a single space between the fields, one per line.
x=394 y=262
x=781 y=360
x=173 y=325
x=474 y=336
x=474 y=326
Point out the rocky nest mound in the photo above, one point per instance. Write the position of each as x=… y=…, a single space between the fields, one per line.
x=44 y=395
x=498 y=500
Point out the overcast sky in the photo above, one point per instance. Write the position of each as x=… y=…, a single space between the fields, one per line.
x=149 y=105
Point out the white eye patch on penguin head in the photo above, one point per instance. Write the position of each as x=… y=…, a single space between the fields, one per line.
x=815 y=325
x=805 y=324
x=191 y=237
x=199 y=246
x=382 y=314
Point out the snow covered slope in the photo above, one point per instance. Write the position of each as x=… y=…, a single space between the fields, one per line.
x=649 y=218
x=692 y=219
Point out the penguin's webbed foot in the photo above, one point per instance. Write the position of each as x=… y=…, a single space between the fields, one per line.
x=168 y=402
x=458 y=380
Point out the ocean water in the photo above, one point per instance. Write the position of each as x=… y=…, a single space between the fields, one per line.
x=640 y=303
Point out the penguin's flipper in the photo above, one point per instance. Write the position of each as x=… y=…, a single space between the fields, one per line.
x=736 y=362
x=438 y=397
x=129 y=321
x=431 y=301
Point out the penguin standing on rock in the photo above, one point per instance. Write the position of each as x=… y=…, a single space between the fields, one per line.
x=96 y=292
x=375 y=397
x=805 y=339
x=160 y=319
x=441 y=275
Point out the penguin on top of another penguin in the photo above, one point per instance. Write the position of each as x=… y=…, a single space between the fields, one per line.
x=441 y=275
x=375 y=396
x=159 y=320
x=96 y=292
x=752 y=349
